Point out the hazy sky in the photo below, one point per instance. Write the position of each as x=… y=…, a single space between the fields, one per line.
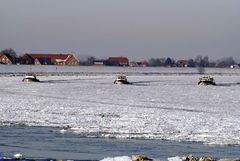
x=138 y=29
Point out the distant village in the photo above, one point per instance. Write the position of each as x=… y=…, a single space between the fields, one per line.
x=9 y=56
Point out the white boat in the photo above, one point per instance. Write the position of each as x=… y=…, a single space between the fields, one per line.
x=30 y=77
x=206 y=80
x=121 y=79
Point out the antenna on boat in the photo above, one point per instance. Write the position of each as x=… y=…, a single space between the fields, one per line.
x=30 y=69
x=201 y=70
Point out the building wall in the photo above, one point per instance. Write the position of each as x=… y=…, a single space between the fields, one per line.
x=26 y=59
x=72 y=61
x=118 y=61
x=37 y=62
x=5 y=60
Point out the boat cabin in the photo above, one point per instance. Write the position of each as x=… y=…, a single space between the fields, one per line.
x=206 y=80
x=30 y=77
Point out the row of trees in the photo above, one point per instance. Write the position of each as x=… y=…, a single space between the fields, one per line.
x=9 y=51
x=199 y=61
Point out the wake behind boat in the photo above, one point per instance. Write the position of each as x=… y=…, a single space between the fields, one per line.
x=30 y=77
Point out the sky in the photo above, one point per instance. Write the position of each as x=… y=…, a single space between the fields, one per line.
x=137 y=29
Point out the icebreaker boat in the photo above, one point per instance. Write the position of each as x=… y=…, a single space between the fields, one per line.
x=121 y=79
x=206 y=80
x=30 y=77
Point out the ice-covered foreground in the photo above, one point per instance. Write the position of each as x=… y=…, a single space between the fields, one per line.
x=169 y=107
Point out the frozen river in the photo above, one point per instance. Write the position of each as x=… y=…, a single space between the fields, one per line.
x=160 y=104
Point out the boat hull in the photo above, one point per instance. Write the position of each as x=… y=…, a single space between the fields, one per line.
x=30 y=80
x=206 y=83
x=121 y=82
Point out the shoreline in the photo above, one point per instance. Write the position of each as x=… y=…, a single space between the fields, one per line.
x=50 y=70
x=46 y=142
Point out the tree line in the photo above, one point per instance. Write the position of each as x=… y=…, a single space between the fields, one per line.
x=199 y=61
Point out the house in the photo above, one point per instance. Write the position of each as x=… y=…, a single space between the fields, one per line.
x=117 y=61
x=143 y=63
x=7 y=59
x=49 y=59
x=182 y=63
x=26 y=59
x=99 y=62
x=237 y=66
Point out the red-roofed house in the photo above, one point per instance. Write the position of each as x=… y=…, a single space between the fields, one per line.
x=49 y=59
x=182 y=63
x=118 y=61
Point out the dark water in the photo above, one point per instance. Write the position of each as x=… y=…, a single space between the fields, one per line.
x=43 y=142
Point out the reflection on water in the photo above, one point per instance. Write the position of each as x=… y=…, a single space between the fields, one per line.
x=44 y=142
